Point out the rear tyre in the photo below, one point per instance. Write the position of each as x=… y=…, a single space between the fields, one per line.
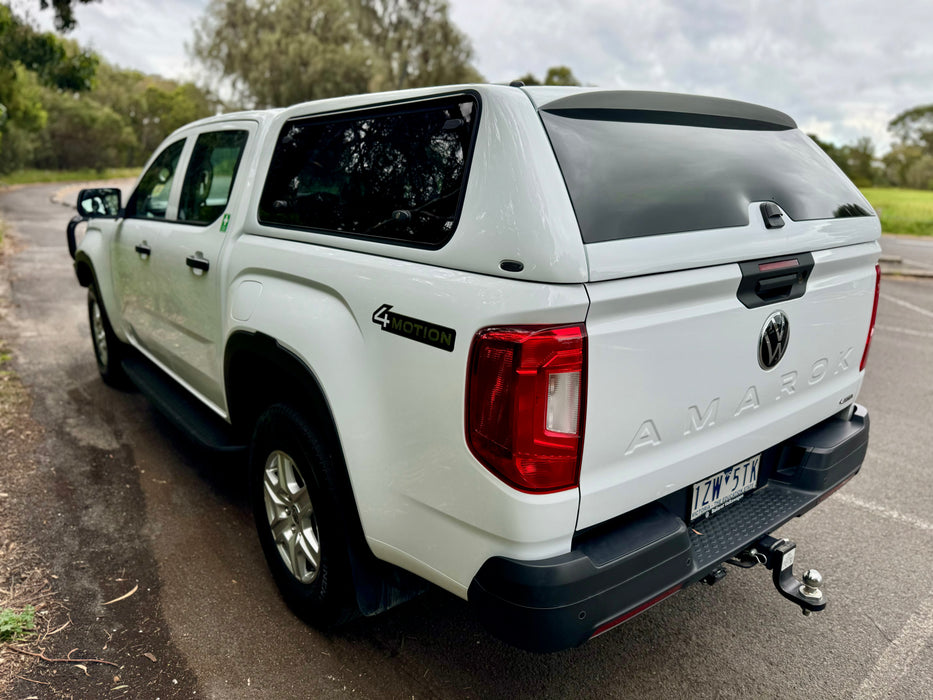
x=108 y=349
x=300 y=518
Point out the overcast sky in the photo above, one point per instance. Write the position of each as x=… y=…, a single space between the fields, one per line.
x=841 y=68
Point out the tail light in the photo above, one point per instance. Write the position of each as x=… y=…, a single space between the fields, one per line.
x=874 y=313
x=526 y=393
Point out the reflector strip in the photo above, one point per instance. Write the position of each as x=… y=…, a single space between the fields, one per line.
x=606 y=626
x=834 y=489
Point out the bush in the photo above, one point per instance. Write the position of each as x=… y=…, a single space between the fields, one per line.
x=14 y=625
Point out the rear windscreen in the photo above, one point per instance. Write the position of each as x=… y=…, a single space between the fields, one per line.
x=629 y=178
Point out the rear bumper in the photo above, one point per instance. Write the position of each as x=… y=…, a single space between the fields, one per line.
x=624 y=566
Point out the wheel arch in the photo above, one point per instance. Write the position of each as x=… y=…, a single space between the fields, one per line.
x=87 y=276
x=259 y=372
x=84 y=270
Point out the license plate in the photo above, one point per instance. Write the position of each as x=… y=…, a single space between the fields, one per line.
x=719 y=490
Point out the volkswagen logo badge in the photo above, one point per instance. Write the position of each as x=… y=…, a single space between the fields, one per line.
x=772 y=344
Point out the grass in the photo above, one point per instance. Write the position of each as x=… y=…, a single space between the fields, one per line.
x=12 y=394
x=902 y=210
x=15 y=625
x=28 y=177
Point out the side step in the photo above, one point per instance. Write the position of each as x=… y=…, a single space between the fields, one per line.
x=197 y=421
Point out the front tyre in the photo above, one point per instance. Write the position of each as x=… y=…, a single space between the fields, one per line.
x=299 y=517
x=108 y=350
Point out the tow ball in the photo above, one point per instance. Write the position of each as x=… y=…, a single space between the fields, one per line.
x=778 y=557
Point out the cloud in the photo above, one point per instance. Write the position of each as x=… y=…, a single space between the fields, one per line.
x=848 y=66
x=145 y=36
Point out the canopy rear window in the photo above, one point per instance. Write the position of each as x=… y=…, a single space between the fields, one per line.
x=634 y=172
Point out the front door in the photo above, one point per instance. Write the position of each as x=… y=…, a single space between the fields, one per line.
x=135 y=248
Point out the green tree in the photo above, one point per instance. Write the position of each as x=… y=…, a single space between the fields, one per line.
x=909 y=163
x=61 y=107
x=908 y=166
x=64 y=12
x=22 y=116
x=556 y=75
x=152 y=107
x=831 y=150
x=29 y=61
x=82 y=133
x=856 y=160
x=860 y=161
x=416 y=45
x=914 y=127
x=278 y=52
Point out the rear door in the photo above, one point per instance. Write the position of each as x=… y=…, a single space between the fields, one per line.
x=188 y=268
x=732 y=275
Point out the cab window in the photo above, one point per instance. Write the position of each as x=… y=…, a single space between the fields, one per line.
x=209 y=179
x=150 y=200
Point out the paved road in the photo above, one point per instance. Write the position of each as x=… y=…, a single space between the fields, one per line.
x=915 y=253
x=126 y=492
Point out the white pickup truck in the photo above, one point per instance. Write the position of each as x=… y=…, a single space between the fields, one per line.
x=558 y=351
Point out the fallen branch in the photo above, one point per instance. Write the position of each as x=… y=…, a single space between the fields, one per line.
x=124 y=596
x=67 y=660
x=49 y=634
x=23 y=678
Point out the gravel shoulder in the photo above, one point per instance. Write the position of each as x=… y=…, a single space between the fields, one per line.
x=71 y=539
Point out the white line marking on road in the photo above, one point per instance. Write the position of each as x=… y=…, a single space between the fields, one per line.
x=908 y=305
x=905 y=331
x=897 y=659
x=884 y=511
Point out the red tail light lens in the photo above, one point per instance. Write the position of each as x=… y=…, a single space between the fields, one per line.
x=874 y=313
x=525 y=399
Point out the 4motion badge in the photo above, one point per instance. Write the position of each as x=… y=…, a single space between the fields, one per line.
x=415 y=329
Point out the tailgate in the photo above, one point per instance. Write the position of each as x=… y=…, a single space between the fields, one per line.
x=704 y=221
x=676 y=391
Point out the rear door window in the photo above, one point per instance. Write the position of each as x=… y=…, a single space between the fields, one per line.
x=209 y=179
x=395 y=174
x=635 y=173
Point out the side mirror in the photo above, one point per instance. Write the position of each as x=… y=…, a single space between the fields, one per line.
x=96 y=203
x=99 y=203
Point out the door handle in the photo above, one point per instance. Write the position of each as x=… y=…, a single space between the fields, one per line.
x=144 y=250
x=198 y=263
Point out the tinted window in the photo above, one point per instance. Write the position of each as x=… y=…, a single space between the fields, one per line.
x=395 y=174
x=150 y=200
x=628 y=178
x=210 y=175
